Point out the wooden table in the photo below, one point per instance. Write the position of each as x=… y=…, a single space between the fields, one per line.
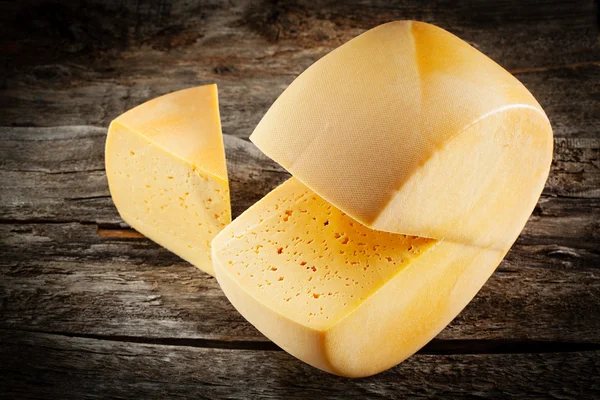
x=91 y=309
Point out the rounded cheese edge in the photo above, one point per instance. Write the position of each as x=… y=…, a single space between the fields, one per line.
x=337 y=166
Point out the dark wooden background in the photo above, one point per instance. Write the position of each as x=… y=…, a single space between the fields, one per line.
x=90 y=309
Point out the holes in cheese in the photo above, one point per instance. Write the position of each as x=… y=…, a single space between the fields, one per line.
x=310 y=260
x=165 y=164
x=409 y=129
x=338 y=295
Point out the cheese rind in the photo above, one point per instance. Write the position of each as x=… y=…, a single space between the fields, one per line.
x=159 y=189
x=186 y=123
x=340 y=296
x=404 y=130
x=372 y=127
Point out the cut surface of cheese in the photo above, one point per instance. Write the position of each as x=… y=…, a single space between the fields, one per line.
x=165 y=164
x=408 y=129
x=340 y=296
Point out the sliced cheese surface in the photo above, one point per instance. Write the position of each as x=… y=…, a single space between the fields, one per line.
x=408 y=129
x=166 y=170
x=338 y=295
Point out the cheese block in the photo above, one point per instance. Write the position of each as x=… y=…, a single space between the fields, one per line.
x=340 y=296
x=408 y=129
x=166 y=171
x=416 y=161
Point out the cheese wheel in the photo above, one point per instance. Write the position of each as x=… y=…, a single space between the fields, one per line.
x=408 y=129
x=416 y=161
x=165 y=164
x=340 y=296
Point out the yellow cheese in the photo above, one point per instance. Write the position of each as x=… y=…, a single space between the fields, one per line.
x=336 y=294
x=409 y=129
x=404 y=130
x=165 y=164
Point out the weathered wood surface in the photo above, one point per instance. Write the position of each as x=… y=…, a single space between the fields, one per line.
x=90 y=308
x=60 y=204
x=86 y=65
x=57 y=174
x=90 y=368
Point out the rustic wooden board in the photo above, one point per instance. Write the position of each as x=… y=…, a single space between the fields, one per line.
x=569 y=95
x=546 y=289
x=55 y=174
x=51 y=366
x=91 y=309
x=58 y=174
x=128 y=52
x=135 y=289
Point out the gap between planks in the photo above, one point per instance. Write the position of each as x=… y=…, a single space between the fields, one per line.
x=526 y=70
x=434 y=347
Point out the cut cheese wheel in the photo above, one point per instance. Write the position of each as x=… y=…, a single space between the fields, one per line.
x=409 y=129
x=338 y=295
x=165 y=164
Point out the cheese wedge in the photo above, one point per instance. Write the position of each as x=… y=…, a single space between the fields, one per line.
x=340 y=296
x=404 y=130
x=166 y=171
x=408 y=129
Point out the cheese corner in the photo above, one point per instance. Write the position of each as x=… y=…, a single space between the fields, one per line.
x=416 y=162
x=165 y=164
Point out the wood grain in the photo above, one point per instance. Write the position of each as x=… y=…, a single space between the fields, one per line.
x=546 y=289
x=118 y=55
x=568 y=95
x=555 y=258
x=57 y=174
x=74 y=281
x=50 y=366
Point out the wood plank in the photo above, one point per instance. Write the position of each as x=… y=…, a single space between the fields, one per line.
x=254 y=50
x=67 y=278
x=57 y=201
x=57 y=174
x=49 y=366
x=568 y=95
x=516 y=32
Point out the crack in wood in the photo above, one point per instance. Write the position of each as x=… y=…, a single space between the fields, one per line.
x=48 y=172
x=264 y=345
x=517 y=71
x=33 y=221
x=83 y=198
x=119 y=233
x=435 y=347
